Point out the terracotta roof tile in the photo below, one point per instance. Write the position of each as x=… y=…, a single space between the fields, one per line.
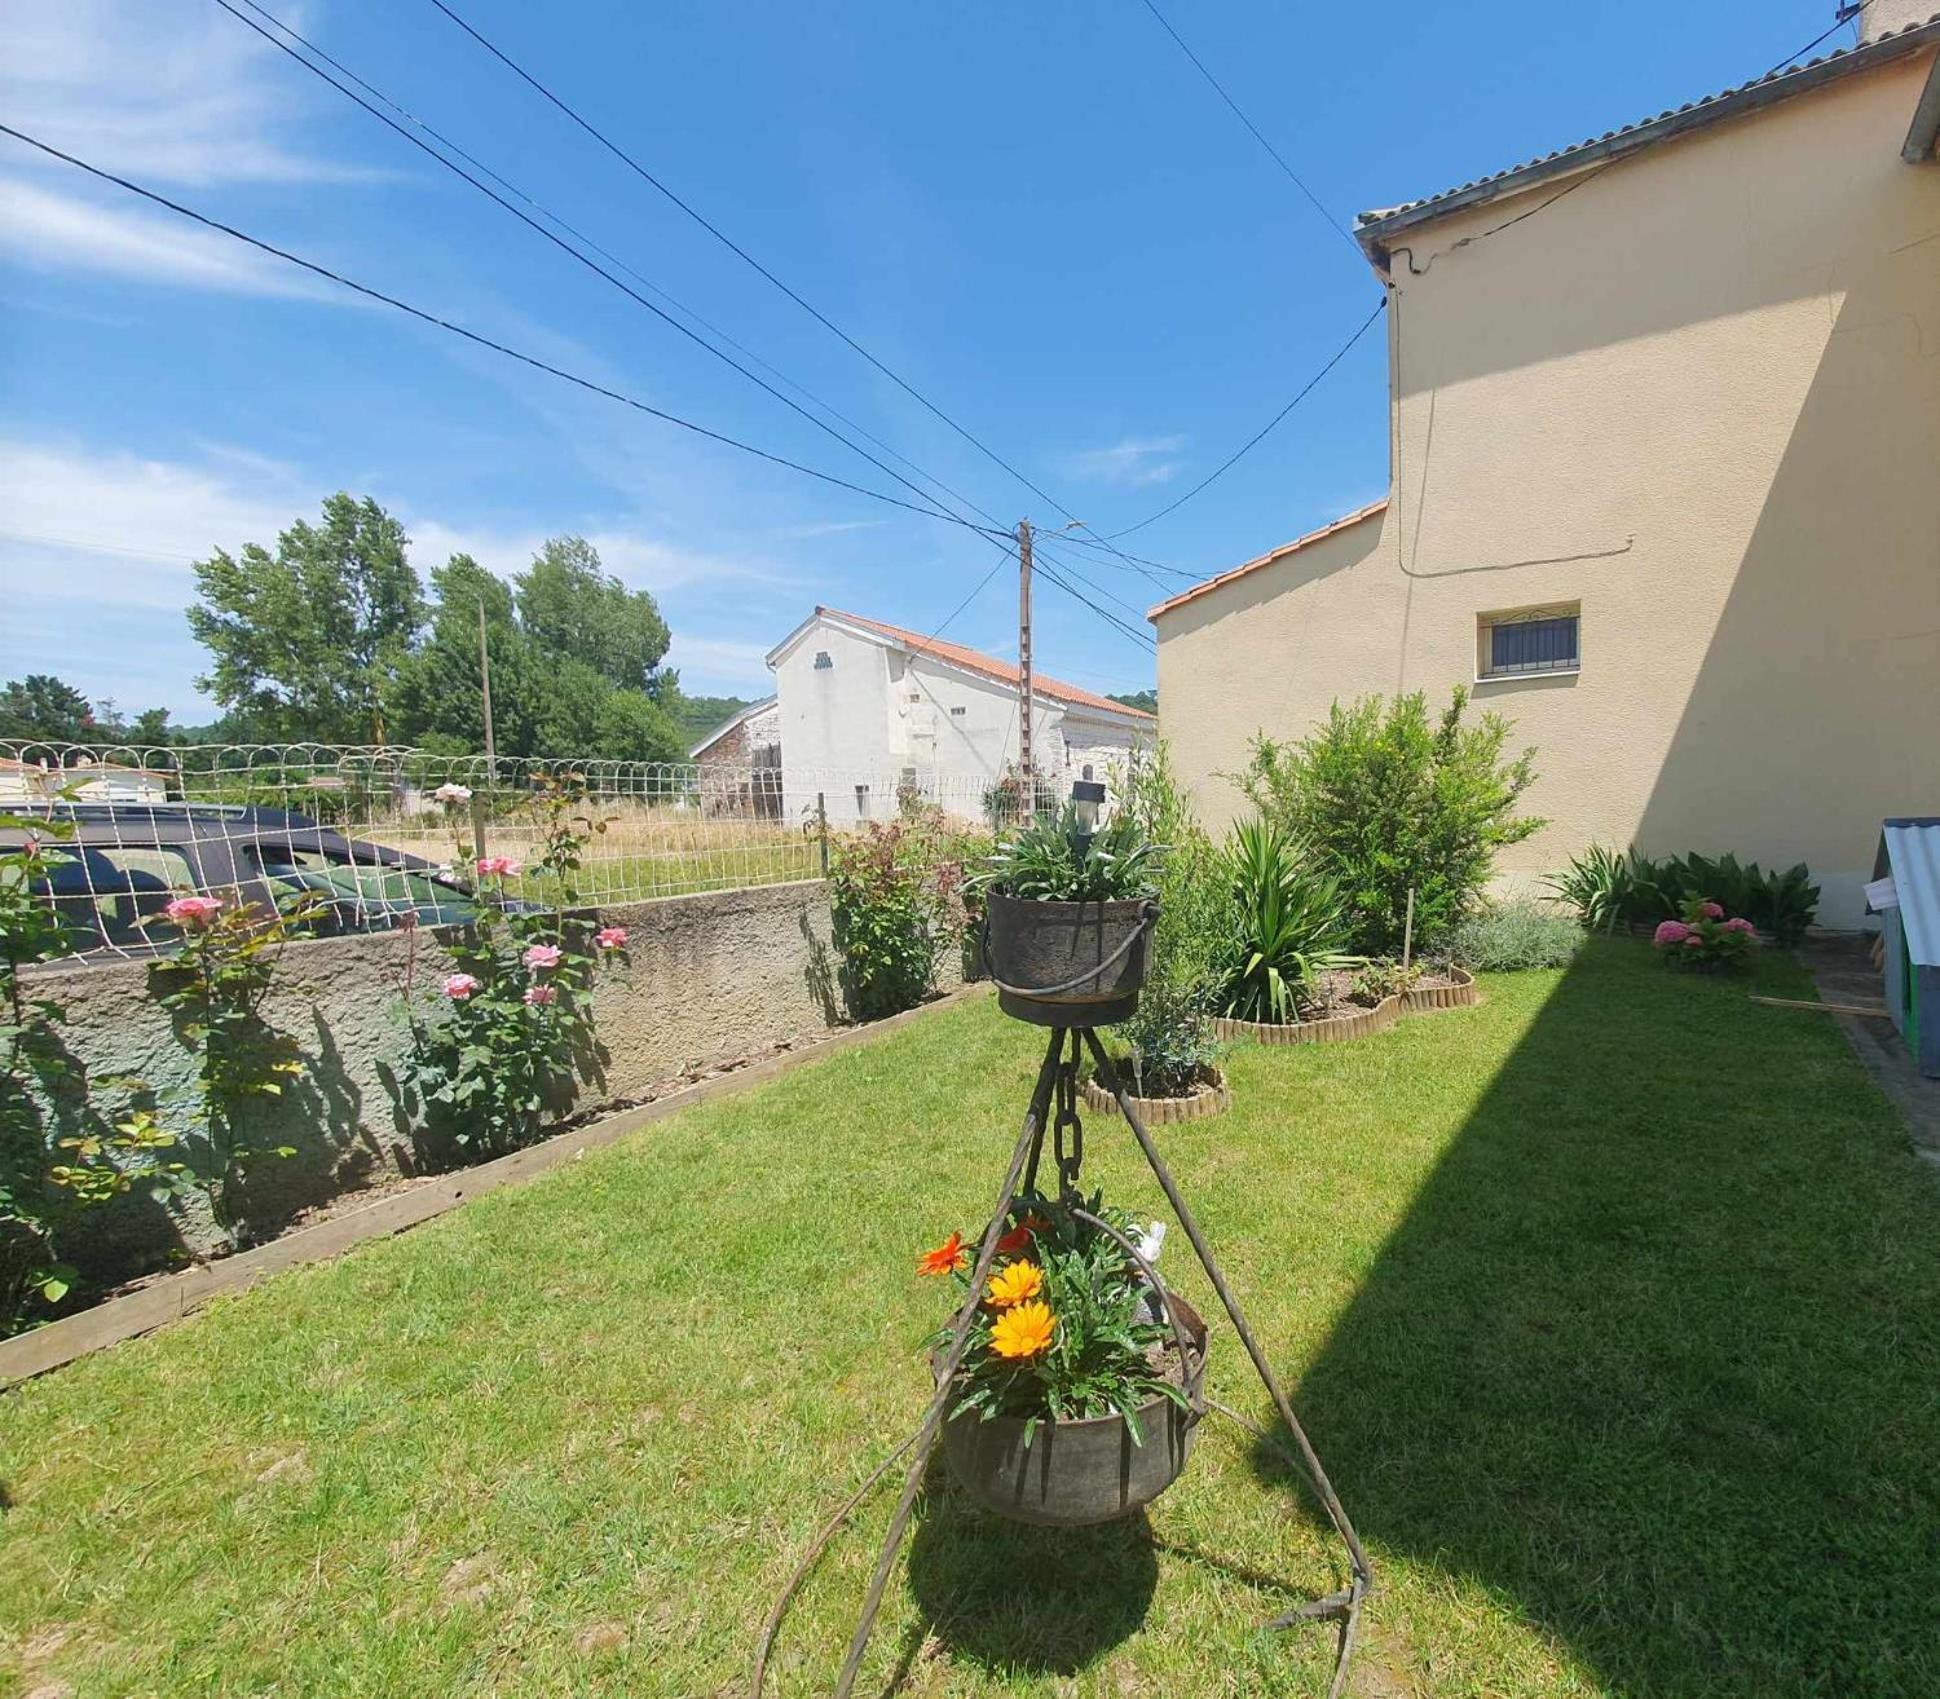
x=1270 y=557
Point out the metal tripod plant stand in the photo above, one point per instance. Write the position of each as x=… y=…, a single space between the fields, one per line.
x=1057 y=1078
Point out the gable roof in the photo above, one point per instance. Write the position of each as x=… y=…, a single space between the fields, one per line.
x=1372 y=509
x=970 y=660
x=1909 y=849
x=1373 y=230
x=728 y=725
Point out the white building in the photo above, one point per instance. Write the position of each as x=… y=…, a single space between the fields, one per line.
x=870 y=712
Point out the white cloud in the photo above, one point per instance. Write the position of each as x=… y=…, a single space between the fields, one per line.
x=1134 y=463
x=181 y=93
x=711 y=666
x=50 y=231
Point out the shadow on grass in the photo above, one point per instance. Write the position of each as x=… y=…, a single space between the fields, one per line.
x=1656 y=1350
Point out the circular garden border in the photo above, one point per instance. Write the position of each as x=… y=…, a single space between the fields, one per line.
x=1423 y=999
x=1159 y=1111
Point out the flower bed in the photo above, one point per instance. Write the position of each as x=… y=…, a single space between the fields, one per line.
x=1340 y=1018
x=1453 y=989
x=1209 y=1097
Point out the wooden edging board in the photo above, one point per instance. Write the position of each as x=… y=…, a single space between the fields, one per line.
x=176 y=1295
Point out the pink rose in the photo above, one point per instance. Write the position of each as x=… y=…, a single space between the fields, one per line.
x=502 y=866
x=540 y=995
x=1670 y=932
x=1712 y=911
x=459 y=986
x=610 y=937
x=192 y=911
x=541 y=956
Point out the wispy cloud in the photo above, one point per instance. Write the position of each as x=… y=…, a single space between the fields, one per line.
x=714 y=665
x=833 y=528
x=177 y=93
x=1133 y=463
x=55 y=232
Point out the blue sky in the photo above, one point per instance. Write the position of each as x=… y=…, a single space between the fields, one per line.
x=1038 y=215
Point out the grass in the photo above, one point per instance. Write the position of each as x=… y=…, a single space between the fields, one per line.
x=1613 y=1306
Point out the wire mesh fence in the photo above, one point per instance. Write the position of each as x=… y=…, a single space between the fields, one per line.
x=382 y=834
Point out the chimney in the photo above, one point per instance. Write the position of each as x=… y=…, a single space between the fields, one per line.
x=1887 y=17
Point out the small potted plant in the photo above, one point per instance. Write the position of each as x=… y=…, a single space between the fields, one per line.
x=1080 y=1384
x=1067 y=913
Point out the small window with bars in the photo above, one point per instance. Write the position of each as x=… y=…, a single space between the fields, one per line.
x=1527 y=642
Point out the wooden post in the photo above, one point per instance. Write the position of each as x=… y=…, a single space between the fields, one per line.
x=822 y=829
x=1408 y=932
x=1024 y=764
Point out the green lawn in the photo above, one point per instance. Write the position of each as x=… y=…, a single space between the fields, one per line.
x=1613 y=1306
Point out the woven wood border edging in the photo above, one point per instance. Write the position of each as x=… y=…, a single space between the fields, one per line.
x=1425 y=998
x=177 y=1295
x=1160 y=1111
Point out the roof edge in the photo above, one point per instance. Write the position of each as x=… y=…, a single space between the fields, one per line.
x=1373 y=229
x=1346 y=522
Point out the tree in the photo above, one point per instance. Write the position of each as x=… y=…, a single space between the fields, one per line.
x=41 y=707
x=306 y=643
x=570 y=608
x=1146 y=699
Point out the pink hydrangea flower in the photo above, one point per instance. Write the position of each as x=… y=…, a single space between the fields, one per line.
x=459 y=986
x=192 y=911
x=1694 y=942
x=540 y=995
x=1712 y=911
x=504 y=866
x=541 y=956
x=610 y=937
x=1670 y=932
x=1738 y=923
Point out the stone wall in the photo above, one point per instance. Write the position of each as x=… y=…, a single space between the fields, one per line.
x=707 y=978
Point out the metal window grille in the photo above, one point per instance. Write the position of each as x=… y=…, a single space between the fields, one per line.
x=1546 y=644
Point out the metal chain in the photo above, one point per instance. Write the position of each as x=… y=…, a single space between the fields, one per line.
x=1070 y=1155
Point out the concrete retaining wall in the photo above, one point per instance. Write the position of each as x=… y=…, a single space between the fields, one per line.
x=708 y=978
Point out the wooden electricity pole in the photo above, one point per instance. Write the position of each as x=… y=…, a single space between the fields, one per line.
x=1024 y=767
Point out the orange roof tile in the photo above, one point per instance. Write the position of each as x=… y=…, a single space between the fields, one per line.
x=972 y=660
x=1267 y=559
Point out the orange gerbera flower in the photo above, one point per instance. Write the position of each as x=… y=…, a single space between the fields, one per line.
x=1023 y=1330
x=1014 y=1284
x=946 y=1258
x=1017 y=1239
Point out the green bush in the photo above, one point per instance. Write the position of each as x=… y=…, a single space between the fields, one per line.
x=1290 y=926
x=1510 y=936
x=1607 y=890
x=899 y=900
x=1391 y=800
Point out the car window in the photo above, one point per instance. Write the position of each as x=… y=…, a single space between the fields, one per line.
x=360 y=894
x=105 y=892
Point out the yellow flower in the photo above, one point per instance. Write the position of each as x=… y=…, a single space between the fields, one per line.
x=1014 y=1284
x=1023 y=1330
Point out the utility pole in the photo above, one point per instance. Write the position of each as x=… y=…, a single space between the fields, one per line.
x=485 y=684
x=1024 y=766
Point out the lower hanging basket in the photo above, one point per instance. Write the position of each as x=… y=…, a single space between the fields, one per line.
x=1072 y=1474
x=1211 y=1097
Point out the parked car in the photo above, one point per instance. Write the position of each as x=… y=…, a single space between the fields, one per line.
x=127 y=860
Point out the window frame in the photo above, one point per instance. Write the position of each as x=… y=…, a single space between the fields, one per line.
x=1485 y=627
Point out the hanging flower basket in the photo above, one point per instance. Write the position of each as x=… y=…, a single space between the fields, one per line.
x=1209 y=1097
x=1071 y=1474
x=1067 y=964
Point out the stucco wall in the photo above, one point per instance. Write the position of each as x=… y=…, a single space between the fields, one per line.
x=1701 y=397
x=707 y=978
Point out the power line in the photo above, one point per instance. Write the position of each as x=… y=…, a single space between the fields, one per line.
x=1273 y=152
x=472 y=336
x=734 y=247
x=1260 y=435
x=605 y=253
x=566 y=247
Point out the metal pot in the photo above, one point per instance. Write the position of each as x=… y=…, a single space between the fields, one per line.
x=1067 y=964
x=1071 y=1474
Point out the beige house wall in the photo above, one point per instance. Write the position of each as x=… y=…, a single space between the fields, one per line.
x=1701 y=397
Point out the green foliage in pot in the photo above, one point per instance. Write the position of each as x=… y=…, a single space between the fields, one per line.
x=1291 y=926
x=1053 y=860
x=1511 y=937
x=1064 y=1332
x=1390 y=800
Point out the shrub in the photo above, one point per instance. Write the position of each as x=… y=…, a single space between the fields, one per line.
x=1171 y=1046
x=1380 y=980
x=1391 y=801
x=1608 y=890
x=897 y=895
x=1290 y=926
x=1510 y=936
x=1703 y=937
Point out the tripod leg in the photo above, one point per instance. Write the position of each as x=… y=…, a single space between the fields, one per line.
x=1027 y=1142
x=1330 y=1501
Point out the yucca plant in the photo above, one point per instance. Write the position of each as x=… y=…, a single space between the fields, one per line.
x=1293 y=926
x=1611 y=888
